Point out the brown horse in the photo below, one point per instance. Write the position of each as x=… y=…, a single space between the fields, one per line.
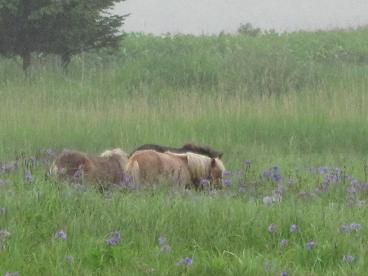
x=77 y=166
x=204 y=150
x=182 y=170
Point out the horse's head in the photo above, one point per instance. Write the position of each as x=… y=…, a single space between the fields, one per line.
x=216 y=172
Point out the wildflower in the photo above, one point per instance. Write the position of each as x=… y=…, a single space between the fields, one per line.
x=348 y=258
x=323 y=170
x=354 y=181
x=293 y=228
x=113 y=238
x=61 y=235
x=310 y=245
x=28 y=177
x=355 y=226
x=276 y=177
x=284 y=243
x=284 y=273
x=226 y=173
x=162 y=240
x=164 y=247
x=227 y=182
x=247 y=163
x=185 y=261
x=267 y=174
x=272 y=228
x=347 y=228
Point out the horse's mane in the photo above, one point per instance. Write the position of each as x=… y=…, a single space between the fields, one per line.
x=203 y=150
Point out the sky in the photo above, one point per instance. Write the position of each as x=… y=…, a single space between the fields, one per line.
x=214 y=16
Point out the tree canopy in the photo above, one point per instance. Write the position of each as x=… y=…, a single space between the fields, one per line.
x=61 y=27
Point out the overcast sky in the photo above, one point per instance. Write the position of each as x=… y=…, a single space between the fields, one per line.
x=213 y=16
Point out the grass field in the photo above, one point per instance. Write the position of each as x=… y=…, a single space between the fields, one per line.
x=295 y=105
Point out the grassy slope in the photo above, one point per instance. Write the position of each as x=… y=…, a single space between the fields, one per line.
x=296 y=100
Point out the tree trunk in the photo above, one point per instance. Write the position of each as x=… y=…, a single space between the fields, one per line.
x=26 y=56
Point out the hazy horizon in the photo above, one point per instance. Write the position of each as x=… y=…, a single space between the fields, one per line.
x=214 y=16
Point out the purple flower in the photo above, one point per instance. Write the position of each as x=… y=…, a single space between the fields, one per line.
x=310 y=245
x=348 y=258
x=185 y=261
x=323 y=170
x=164 y=247
x=226 y=173
x=355 y=226
x=162 y=240
x=227 y=182
x=293 y=228
x=60 y=235
x=284 y=273
x=347 y=228
x=247 y=163
x=113 y=238
x=272 y=228
x=267 y=174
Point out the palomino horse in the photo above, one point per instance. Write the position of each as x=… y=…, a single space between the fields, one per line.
x=204 y=150
x=183 y=170
x=76 y=166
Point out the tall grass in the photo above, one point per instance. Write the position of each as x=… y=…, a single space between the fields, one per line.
x=296 y=100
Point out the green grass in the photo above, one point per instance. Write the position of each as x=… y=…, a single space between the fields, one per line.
x=294 y=100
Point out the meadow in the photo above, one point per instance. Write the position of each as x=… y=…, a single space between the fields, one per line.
x=289 y=111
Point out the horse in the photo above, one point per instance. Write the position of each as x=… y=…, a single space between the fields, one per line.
x=184 y=170
x=204 y=150
x=78 y=166
x=204 y=169
x=150 y=167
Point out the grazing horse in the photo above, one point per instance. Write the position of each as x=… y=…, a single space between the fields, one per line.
x=153 y=167
x=75 y=166
x=205 y=168
x=181 y=169
x=204 y=150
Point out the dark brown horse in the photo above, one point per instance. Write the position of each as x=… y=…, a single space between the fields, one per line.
x=203 y=150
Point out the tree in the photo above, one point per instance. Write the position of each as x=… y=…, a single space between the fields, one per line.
x=61 y=27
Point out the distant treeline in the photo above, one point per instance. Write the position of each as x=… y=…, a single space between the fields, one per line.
x=268 y=63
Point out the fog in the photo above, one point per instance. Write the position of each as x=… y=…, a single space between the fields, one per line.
x=214 y=16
